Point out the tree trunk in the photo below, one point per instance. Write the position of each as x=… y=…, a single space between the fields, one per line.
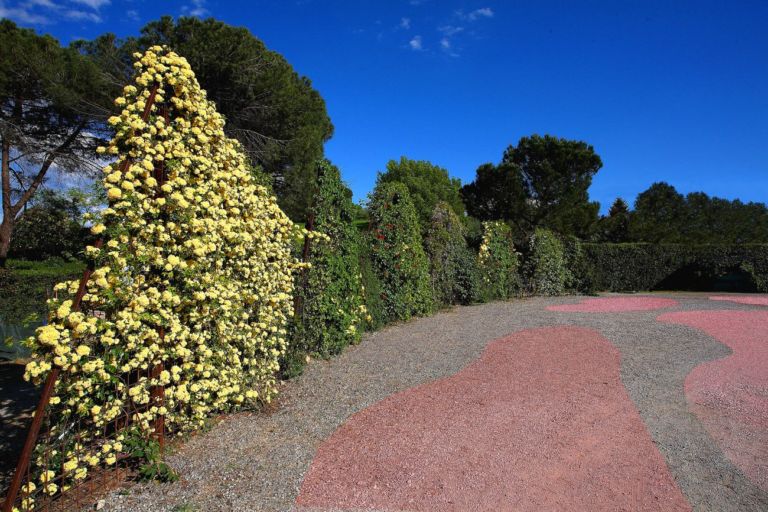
x=6 y=227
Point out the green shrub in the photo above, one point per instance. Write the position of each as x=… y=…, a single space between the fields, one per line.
x=427 y=184
x=498 y=263
x=640 y=266
x=452 y=266
x=580 y=278
x=372 y=287
x=547 y=265
x=397 y=254
x=26 y=285
x=50 y=229
x=330 y=313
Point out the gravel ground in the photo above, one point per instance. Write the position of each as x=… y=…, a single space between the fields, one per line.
x=256 y=462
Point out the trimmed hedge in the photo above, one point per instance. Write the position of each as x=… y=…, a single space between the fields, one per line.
x=640 y=266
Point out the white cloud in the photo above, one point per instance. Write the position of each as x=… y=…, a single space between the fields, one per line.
x=132 y=15
x=485 y=12
x=48 y=4
x=74 y=14
x=93 y=4
x=22 y=14
x=196 y=8
x=450 y=30
x=39 y=12
x=405 y=23
x=445 y=43
x=415 y=43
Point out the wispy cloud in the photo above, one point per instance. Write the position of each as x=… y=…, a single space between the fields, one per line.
x=450 y=30
x=41 y=12
x=196 y=8
x=415 y=44
x=477 y=14
x=22 y=14
x=405 y=23
x=93 y=4
x=460 y=19
x=132 y=15
x=78 y=15
x=485 y=12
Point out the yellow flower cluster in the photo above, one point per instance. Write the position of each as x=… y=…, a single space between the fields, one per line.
x=204 y=257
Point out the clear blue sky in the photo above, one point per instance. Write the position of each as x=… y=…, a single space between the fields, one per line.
x=664 y=90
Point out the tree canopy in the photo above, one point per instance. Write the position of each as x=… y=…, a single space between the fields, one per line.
x=615 y=226
x=427 y=184
x=276 y=114
x=53 y=104
x=662 y=214
x=542 y=181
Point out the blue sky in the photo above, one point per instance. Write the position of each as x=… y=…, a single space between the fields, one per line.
x=674 y=91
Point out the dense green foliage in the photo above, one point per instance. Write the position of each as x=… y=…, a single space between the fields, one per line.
x=330 y=313
x=397 y=254
x=547 y=264
x=663 y=215
x=614 y=227
x=276 y=114
x=372 y=286
x=53 y=102
x=498 y=263
x=53 y=227
x=640 y=266
x=452 y=265
x=427 y=185
x=541 y=182
x=25 y=286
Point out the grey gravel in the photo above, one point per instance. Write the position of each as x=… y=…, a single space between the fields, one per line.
x=256 y=461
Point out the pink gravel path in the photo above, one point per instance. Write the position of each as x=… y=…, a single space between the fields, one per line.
x=541 y=421
x=730 y=395
x=755 y=300
x=615 y=305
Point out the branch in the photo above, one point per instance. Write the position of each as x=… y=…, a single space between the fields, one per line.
x=44 y=168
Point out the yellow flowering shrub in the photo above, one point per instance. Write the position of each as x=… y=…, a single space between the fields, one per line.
x=204 y=258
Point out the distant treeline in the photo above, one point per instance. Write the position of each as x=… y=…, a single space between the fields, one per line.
x=663 y=215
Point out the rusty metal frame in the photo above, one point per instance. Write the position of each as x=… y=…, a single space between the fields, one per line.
x=157 y=392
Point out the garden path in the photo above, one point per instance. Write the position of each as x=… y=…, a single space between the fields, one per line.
x=259 y=461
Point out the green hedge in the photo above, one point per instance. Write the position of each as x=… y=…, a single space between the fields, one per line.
x=639 y=266
x=452 y=264
x=397 y=254
x=546 y=269
x=25 y=286
x=329 y=304
x=498 y=262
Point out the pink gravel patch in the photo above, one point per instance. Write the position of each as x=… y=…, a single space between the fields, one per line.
x=730 y=395
x=541 y=421
x=755 y=300
x=616 y=305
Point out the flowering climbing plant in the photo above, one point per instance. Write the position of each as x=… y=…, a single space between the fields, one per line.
x=499 y=262
x=195 y=278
